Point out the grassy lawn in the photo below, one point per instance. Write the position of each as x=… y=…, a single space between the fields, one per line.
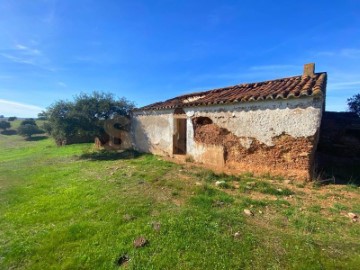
x=74 y=208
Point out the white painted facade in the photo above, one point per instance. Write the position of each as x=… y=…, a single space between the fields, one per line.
x=152 y=131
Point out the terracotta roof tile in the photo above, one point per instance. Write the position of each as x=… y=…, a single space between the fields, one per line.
x=292 y=87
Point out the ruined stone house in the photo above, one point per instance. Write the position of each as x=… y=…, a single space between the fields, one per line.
x=265 y=127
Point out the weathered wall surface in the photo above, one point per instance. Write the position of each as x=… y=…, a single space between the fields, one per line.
x=272 y=136
x=152 y=131
x=277 y=137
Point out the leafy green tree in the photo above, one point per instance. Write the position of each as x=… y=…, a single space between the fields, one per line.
x=28 y=130
x=4 y=125
x=83 y=119
x=12 y=118
x=46 y=127
x=28 y=121
x=42 y=116
x=354 y=104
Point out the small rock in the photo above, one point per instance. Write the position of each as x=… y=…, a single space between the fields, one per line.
x=128 y=217
x=218 y=203
x=352 y=216
x=156 y=226
x=122 y=259
x=219 y=183
x=237 y=235
x=260 y=212
x=248 y=212
x=140 y=242
x=140 y=181
x=236 y=185
x=198 y=184
x=279 y=189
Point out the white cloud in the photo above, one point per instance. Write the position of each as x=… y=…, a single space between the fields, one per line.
x=27 y=50
x=17 y=59
x=342 y=85
x=346 y=53
x=23 y=54
x=12 y=108
x=62 y=84
x=350 y=53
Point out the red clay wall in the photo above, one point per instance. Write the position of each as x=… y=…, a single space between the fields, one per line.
x=292 y=157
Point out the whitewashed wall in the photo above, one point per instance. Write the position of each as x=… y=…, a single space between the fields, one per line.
x=152 y=131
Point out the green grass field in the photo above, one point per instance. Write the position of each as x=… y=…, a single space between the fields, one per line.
x=74 y=208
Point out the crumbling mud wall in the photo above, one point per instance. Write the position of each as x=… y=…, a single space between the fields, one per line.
x=287 y=154
x=152 y=131
x=277 y=137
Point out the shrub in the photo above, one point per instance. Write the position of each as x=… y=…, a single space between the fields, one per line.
x=4 y=125
x=28 y=130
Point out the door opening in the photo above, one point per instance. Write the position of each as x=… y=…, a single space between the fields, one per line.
x=179 y=138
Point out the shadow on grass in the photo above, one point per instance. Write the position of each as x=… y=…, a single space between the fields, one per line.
x=9 y=132
x=36 y=138
x=111 y=155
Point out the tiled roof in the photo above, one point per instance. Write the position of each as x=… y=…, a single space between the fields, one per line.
x=292 y=87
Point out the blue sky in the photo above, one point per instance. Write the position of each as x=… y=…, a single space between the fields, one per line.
x=150 y=51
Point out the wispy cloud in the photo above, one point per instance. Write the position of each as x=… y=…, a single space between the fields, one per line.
x=17 y=59
x=23 y=54
x=12 y=108
x=351 y=53
x=62 y=84
x=27 y=50
x=342 y=85
x=247 y=75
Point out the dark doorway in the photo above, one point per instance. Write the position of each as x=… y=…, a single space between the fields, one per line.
x=117 y=140
x=179 y=138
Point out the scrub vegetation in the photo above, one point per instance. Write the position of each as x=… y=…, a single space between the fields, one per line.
x=73 y=207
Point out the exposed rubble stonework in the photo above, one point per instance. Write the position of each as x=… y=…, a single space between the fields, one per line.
x=268 y=127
